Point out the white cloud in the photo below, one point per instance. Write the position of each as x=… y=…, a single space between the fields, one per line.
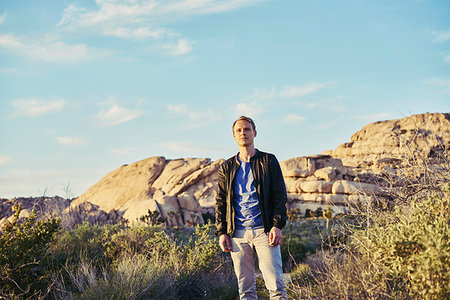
x=263 y=99
x=299 y=91
x=143 y=19
x=293 y=118
x=121 y=12
x=4 y=159
x=180 y=108
x=248 y=109
x=441 y=36
x=109 y=11
x=34 y=107
x=67 y=140
x=71 y=14
x=182 y=46
x=197 y=118
x=48 y=49
x=204 y=7
x=140 y=33
x=115 y=115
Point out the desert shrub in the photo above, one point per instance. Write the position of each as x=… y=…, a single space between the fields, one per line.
x=24 y=261
x=130 y=240
x=199 y=266
x=337 y=275
x=412 y=245
x=85 y=241
x=164 y=267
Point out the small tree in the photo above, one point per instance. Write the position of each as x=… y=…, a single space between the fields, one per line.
x=328 y=214
x=308 y=213
x=152 y=218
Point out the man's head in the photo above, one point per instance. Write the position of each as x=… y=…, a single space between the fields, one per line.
x=244 y=131
x=244 y=118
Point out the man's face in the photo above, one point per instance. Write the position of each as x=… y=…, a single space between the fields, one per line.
x=243 y=133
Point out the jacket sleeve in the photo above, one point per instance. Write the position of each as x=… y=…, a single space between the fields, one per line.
x=278 y=193
x=221 y=202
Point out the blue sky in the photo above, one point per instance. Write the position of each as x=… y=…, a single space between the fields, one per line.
x=87 y=86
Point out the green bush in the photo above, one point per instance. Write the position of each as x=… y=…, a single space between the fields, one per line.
x=412 y=245
x=131 y=240
x=85 y=241
x=24 y=261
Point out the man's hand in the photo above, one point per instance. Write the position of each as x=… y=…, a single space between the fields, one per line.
x=275 y=236
x=225 y=243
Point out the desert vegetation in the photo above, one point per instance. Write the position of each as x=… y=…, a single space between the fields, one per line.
x=44 y=260
x=391 y=247
x=395 y=247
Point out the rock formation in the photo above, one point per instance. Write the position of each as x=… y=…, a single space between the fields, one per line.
x=183 y=190
x=321 y=180
x=180 y=189
x=57 y=207
x=386 y=143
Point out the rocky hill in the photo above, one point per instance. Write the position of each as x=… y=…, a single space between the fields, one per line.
x=184 y=190
x=389 y=142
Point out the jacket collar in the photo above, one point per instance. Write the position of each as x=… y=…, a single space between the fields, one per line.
x=257 y=153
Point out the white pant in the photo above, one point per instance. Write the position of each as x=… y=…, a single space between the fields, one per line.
x=245 y=244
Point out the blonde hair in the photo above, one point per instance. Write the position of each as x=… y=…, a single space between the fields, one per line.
x=244 y=118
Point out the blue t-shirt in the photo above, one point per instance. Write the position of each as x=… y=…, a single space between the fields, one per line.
x=248 y=214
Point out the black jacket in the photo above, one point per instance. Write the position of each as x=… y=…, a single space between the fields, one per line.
x=270 y=188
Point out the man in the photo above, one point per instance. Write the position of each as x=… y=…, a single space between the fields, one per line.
x=250 y=213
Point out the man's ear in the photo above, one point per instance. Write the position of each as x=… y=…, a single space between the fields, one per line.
x=255 y=132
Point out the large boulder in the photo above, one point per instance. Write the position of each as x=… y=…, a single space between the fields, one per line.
x=128 y=183
x=176 y=189
x=317 y=186
x=326 y=173
x=298 y=167
x=355 y=188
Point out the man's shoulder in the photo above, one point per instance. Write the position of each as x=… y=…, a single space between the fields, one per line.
x=266 y=155
x=229 y=161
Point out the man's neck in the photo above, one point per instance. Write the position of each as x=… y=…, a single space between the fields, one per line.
x=245 y=153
